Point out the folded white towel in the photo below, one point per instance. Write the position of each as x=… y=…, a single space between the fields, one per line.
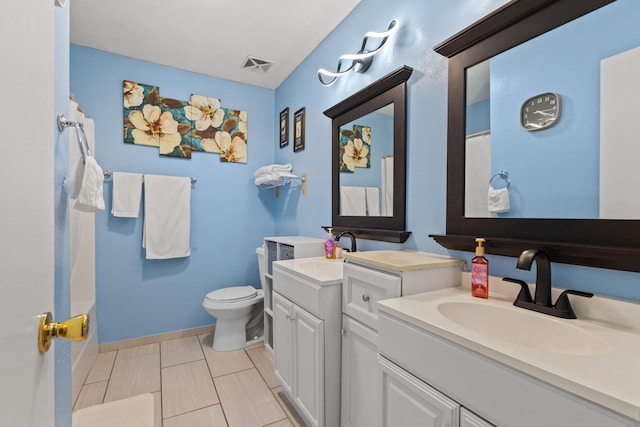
x=275 y=168
x=373 y=201
x=167 y=216
x=90 y=198
x=274 y=178
x=498 y=200
x=353 y=201
x=127 y=191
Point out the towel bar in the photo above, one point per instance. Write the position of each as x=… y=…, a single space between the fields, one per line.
x=109 y=174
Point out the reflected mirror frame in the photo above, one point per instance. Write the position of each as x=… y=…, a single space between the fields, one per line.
x=611 y=244
x=390 y=89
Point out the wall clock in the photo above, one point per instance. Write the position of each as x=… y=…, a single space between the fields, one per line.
x=540 y=112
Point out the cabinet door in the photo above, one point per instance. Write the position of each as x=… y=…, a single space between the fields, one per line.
x=308 y=332
x=361 y=383
x=469 y=419
x=409 y=402
x=283 y=341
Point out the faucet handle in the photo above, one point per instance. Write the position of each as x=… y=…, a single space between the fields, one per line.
x=563 y=304
x=525 y=294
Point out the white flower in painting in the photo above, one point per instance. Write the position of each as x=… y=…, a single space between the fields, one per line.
x=231 y=150
x=366 y=134
x=355 y=154
x=155 y=128
x=205 y=112
x=133 y=94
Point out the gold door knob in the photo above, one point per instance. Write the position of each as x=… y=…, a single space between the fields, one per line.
x=73 y=329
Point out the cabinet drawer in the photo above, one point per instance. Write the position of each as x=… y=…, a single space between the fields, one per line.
x=362 y=288
x=286 y=252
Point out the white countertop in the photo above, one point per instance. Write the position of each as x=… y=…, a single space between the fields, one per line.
x=319 y=270
x=403 y=260
x=608 y=374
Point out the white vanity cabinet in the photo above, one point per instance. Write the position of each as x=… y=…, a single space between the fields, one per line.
x=306 y=318
x=283 y=248
x=368 y=278
x=498 y=395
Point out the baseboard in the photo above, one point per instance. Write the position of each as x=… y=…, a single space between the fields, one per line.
x=152 y=339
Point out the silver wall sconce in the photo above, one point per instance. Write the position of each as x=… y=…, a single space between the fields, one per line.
x=358 y=62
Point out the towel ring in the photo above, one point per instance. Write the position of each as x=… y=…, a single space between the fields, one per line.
x=503 y=174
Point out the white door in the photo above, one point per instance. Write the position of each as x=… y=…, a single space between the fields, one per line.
x=27 y=121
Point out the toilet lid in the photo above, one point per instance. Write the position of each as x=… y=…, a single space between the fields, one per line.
x=232 y=294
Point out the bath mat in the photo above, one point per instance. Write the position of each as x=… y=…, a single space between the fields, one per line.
x=137 y=411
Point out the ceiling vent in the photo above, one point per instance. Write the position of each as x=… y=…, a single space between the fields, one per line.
x=256 y=64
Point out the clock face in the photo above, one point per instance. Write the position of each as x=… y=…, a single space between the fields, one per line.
x=540 y=112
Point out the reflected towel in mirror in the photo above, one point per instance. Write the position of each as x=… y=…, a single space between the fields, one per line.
x=498 y=200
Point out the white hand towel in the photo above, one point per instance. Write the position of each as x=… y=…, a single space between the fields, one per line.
x=353 y=201
x=72 y=183
x=167 y=216
x=373 y=201
x=127 y=191
x=90 y=196
x=498 y=200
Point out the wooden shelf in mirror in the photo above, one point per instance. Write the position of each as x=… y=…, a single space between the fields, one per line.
x=391 y=236
x=612 y=257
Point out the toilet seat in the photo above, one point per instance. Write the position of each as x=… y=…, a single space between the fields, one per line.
x=232 y=294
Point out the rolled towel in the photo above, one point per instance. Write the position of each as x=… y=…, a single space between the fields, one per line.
x=498 y=200
x=270 y=169
x=274 y=178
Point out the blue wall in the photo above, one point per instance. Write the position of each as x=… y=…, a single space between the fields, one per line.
x=423 y=24
x=136 y=297
x=229 y=216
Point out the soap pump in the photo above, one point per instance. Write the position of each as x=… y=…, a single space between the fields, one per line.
x=480 y=271
x=330 y=245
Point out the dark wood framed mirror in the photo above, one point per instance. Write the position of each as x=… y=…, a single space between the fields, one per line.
x=368 y=132
x=606 y=243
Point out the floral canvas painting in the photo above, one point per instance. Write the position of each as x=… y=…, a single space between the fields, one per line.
x=232 y=138
x=355 y=148
x=176 y=128
x=141 y=114
x=179 y=128
x=207 y=116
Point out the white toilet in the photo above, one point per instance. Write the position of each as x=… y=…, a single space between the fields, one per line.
x=234 y=307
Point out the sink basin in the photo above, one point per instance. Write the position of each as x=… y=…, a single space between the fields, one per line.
x=323 y=266
x=523 y=328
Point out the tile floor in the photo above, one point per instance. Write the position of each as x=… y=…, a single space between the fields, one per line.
x=193 y=385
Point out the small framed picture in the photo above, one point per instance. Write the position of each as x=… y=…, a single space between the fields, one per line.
x=284 y=127
x=298 y=127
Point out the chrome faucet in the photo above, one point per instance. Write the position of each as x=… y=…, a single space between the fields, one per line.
x=542 y=302
x=351 y=236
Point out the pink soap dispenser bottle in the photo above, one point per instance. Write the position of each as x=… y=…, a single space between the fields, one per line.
x=480 y=272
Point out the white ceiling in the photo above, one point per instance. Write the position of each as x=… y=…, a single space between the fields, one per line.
x=211 y=37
